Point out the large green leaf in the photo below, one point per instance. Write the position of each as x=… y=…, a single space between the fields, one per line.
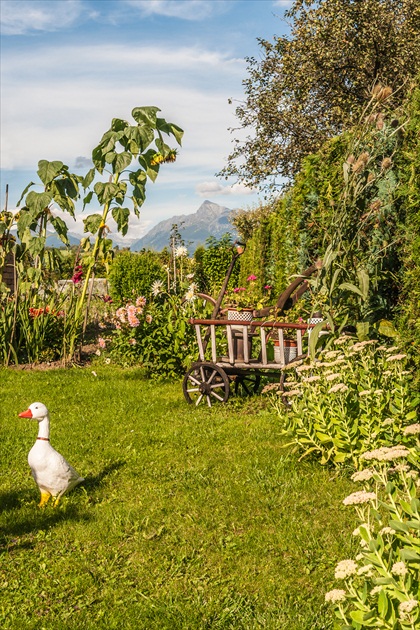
x=387 y=329
x=92 y=223
x=106 y=191
x=88 y=179
x=145 y=161
x=146 y=115
x=313 y=340
x=348 y=286
x=121 y=216
x=122 y=161
x=24 y=192
x=362 y=330
x=170 y=128
x=47 y=171
x=61 y=229
x=363 y=277
x=38 y=201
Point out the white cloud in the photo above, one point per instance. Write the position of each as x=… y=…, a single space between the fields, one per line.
x=193 y=10
x=206 y=189
x=283 y=3
x=21 y=16
x=69 y=112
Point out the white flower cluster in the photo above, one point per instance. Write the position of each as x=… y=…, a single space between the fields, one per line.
x=362 y=475
x=399 y=568
x=396 y=357
x=405 y=608
x=359 y=497
x=386 y=453
x=332 y=377
x=181 y=252
x=344 y=569
x=412 y=429
x=336 y=595
x=339 y=387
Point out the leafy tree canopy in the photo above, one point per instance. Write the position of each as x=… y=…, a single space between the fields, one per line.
x=314 y=84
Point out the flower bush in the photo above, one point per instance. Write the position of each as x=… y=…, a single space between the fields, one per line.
x=381 y=587
x=155 y=333
x=355 y=398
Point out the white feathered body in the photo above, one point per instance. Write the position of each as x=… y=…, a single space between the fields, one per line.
x=52 y=473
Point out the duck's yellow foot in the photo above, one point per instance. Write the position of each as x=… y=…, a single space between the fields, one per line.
x=45 y=497
x=56 y=501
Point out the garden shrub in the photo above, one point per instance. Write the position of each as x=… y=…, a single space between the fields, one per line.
x=350 y=400
x=212 y=263
x=133 y=274
x=409 y=168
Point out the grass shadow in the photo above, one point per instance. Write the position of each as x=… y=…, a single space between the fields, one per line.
x=23 y=525
x=97 y=481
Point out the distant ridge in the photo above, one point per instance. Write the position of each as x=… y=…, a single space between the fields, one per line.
x=209 y=220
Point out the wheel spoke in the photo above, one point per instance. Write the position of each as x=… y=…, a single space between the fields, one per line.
x=213 y=393
x=212 y=375
x=199 y=399
x=195 y=389
x=193 y=379
x=208 y=401
x=222 y=385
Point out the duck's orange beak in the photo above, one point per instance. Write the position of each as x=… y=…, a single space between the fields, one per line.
x=26 y=414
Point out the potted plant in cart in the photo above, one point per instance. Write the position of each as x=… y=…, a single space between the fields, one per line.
x=243 y=301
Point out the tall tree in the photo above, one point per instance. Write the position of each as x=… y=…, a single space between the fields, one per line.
x=314 y=84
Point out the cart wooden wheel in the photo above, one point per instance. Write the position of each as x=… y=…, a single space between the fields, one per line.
x=205 y=382
x=247 y=384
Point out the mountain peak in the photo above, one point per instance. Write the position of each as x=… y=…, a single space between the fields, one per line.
x=209 y=220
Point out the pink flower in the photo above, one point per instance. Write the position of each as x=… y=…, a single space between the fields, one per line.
x=101 y=342
x=141 y=301
x=251 y=278
x=132 y=342
x=239 y=289
x=268 y=287
x=149 y=318
x=121 y=314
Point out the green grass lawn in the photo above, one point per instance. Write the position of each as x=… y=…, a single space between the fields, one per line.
x=188 y=518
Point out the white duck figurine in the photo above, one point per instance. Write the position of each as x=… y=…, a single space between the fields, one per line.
x=52 y=473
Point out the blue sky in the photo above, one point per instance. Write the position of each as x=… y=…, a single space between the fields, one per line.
x=69 y=66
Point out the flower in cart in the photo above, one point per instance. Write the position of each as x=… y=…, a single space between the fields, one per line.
x=254 y=295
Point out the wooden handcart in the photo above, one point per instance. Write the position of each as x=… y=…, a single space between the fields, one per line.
x=240 y=353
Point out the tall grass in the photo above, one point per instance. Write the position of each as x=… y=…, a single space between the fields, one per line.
x=188 y=518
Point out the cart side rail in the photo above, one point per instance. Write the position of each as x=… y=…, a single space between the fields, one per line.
x=266 y=330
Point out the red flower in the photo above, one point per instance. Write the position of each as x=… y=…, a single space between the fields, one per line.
x=77 y=275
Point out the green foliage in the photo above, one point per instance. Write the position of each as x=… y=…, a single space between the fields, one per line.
x=311 y=86
x=133 y=274
x=409 y=169
x=381 y=589
x=212 y=264
x=349 y=401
